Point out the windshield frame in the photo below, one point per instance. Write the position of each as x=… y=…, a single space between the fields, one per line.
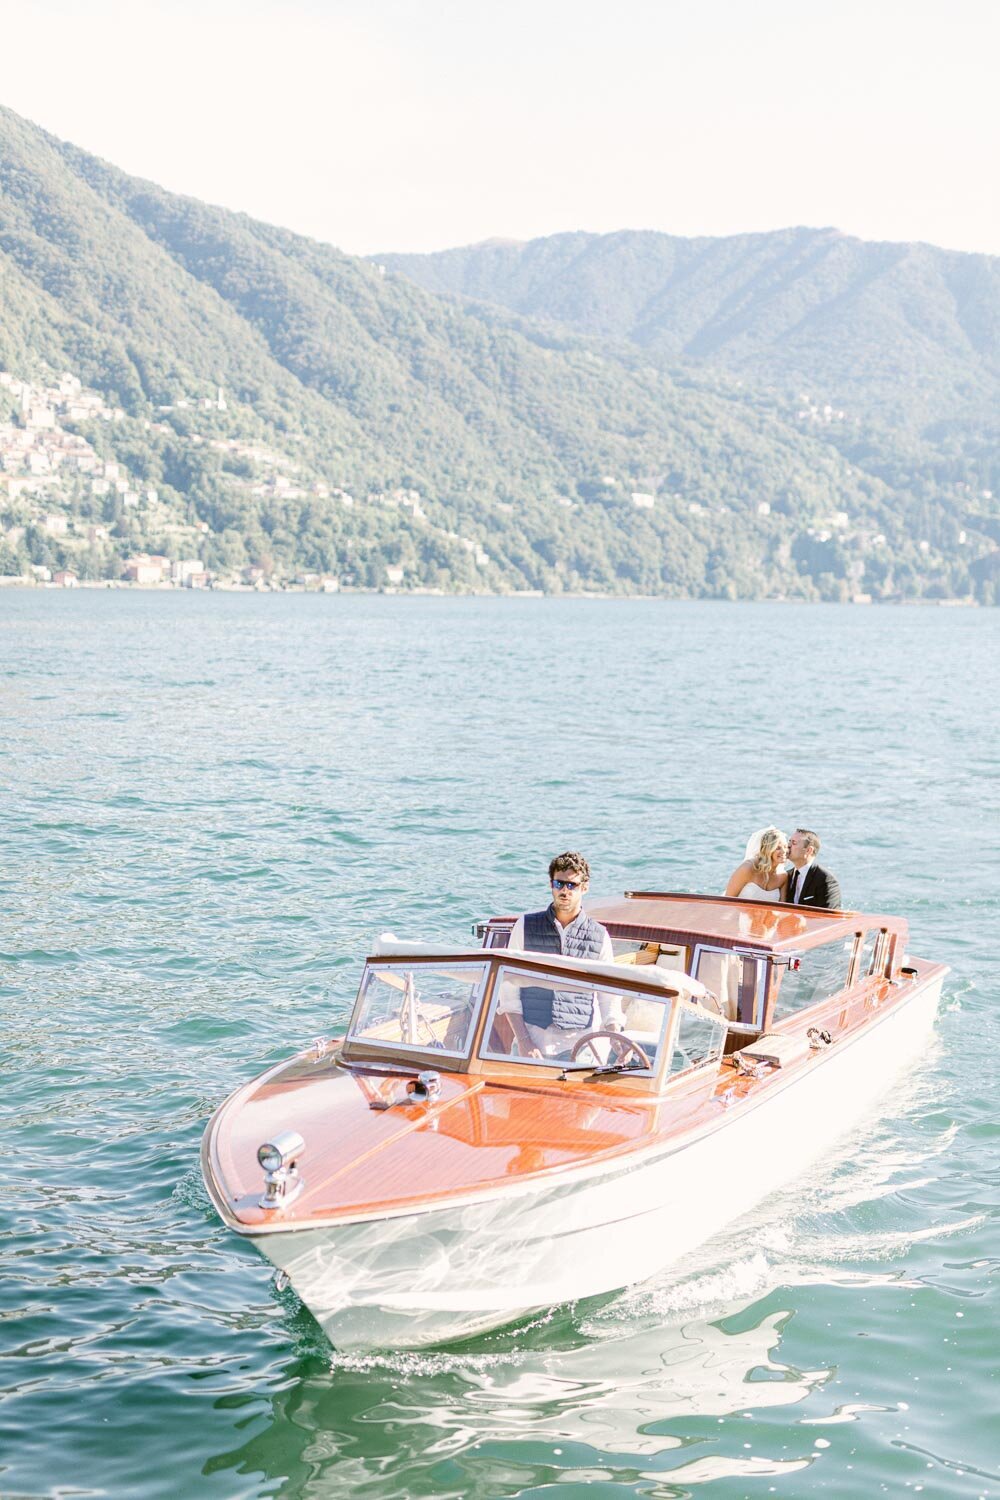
x=407 y=1054
x=762 y=961
x=549 y=976
x=630 y=983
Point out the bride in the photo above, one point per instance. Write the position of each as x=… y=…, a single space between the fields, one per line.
x=760 y=877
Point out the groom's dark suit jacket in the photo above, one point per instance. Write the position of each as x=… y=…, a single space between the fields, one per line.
x=820 y=889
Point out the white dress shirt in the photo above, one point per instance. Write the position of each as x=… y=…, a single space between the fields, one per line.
x=799 y=876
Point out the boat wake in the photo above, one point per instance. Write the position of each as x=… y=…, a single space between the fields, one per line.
x=806 y=1235
x=809 y=1235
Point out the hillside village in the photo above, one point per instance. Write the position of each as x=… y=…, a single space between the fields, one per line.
x=73 y=515
x=59 y=495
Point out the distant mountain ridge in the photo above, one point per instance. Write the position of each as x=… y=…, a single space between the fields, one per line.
x=381 y=435
x=903 y=326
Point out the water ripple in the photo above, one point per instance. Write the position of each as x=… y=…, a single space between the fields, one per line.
x=210 y=807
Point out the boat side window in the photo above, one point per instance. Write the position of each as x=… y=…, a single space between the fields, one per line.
x=629 y=951
x=735 y=978
x=537 y=1011
x=822 y=971
x=699 y=1039
x=641 y=952
x=866 y=954
x=418 y=1005
x=881 y=960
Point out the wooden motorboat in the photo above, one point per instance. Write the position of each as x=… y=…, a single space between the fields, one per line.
x=419 y=1180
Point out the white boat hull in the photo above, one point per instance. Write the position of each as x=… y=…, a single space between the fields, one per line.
x=452 y=1271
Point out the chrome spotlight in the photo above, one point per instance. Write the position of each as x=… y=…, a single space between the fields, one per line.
x=279 y=1158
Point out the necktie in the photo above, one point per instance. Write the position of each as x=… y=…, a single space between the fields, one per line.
x=793 y=894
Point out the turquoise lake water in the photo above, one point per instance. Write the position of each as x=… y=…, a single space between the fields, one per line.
x=211 y=803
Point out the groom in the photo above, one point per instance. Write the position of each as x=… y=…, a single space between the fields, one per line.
x=808 y=883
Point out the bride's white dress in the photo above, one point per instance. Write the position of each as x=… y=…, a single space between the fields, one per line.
x=753 y=892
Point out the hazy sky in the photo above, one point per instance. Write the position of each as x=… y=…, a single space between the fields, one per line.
x=419 y=124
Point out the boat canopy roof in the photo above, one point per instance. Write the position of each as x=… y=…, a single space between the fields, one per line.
x=771 y=926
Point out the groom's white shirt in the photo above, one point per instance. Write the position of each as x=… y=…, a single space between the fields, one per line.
x=799 y=876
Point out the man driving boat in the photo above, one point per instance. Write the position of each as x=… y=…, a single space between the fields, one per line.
x=547 y=1022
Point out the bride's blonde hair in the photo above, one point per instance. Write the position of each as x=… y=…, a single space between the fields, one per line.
x=771 y=839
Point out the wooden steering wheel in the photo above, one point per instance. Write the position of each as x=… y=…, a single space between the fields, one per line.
x=620 y=1043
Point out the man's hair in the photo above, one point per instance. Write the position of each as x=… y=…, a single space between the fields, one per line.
x=812 y=839
x=569 y=863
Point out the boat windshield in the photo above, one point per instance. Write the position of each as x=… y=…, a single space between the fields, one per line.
x=423 y=1006
x=699 y=1039
x=538 y=1018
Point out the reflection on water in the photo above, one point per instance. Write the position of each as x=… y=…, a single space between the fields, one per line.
x=601 y=1390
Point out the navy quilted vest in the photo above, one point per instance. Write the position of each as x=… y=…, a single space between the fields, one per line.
x=584 y=938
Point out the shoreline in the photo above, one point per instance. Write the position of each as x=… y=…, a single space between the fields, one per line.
x=113 y=585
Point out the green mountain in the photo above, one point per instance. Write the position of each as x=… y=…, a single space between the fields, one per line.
x=887 y=353
x=909 y=330
x=375 y=432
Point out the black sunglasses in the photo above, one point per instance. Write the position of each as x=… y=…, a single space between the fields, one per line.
x=566 y=885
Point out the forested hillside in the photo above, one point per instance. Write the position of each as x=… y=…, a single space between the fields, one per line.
x=907 y=330
x=374 y=433
x=888 y=353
